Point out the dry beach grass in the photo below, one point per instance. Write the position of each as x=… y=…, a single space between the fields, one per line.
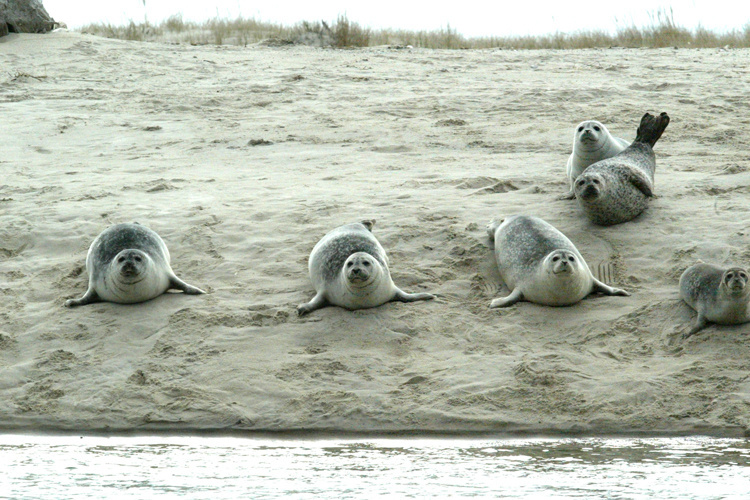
x=243 y=157
x=663 y=31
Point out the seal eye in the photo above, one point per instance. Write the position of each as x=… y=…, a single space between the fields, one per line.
x=580 y=129
x=596 y=128
x=121 y=260
x=367 y=263
x=581 y=183
x=555 y=258
x=138 y=258
x=571 y=259
x=596 y=181
x=349 y=264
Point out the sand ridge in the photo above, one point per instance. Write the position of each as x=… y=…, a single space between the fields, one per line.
x=242 y=158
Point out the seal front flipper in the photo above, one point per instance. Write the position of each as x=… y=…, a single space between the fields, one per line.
x=641 y=182
x=177 y=284
x=88 y=298
x=700 y=324
x=511 y=299
x=317 y=302
x=608 y=290
x=402 y=296
x=570 y=195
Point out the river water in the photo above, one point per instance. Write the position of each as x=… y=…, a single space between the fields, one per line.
x=138 y=467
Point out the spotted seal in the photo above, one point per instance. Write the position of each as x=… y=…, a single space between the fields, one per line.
x=129 y=263
x=617 y=189
x=718 y=294
x=592 y=142
x=349 y=268
x=540 y=264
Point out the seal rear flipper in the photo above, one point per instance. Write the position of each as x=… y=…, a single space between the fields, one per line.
x=511 y=299
x=402 y=296
x=317 y=302
x=651 y=128
x=177 y=284
x=608 y=290
x=368 y=223
x=88 y=298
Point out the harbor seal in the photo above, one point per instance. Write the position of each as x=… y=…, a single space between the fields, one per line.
x=540 y=264
x=617 y=189
x=718 y=294
x=129 y=263
x=592 y=142
x=349 y=268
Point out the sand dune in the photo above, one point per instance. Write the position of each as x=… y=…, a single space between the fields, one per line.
x=242 y=158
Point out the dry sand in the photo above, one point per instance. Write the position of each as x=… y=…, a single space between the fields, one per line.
x=242 y=158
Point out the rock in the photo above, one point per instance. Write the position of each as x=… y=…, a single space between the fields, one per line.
x=24 y=16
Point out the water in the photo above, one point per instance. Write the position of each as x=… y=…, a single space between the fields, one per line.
x=62 y=467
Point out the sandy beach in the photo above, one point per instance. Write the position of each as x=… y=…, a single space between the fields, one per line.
x=243 y=158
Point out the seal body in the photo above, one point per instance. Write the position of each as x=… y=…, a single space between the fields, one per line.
x=129 y=263
x=592 y=142
x=719 y=295
x=540 y=264
x=617 y=189
x=349 y=268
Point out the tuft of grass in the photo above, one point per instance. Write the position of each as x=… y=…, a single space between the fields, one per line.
x=662 y=31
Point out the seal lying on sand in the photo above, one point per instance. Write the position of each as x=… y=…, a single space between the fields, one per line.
x=349 y=268
x=719 y=295
x=540 y=264
x=617 y=189
x=592 y=142
x=129 y=263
